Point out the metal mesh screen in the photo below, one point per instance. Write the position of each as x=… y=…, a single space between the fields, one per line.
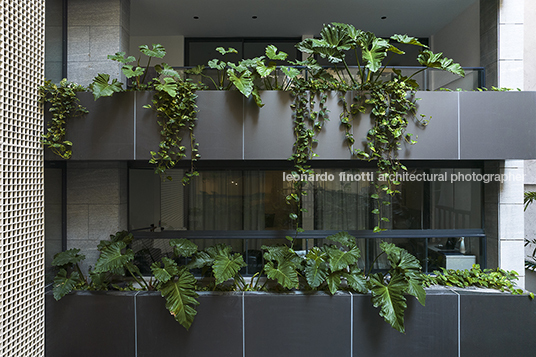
x=21 y=191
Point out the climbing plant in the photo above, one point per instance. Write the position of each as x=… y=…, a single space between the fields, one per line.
x=64 y=105
x=389 y=101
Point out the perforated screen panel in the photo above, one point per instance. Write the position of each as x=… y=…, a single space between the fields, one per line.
x=21 y=190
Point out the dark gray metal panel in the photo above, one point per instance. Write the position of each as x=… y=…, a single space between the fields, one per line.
x=439 y=139
x=299 y=324
x=89 y=324
x=219 y=126
x=107 y=133
x=147 y=128
x=497 y=324
x=431 y=330
x=498 y=125
x=216 y=330
x=268 y=131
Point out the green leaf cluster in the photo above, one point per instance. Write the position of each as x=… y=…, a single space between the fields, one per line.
x=488 y=278
x=64 y=105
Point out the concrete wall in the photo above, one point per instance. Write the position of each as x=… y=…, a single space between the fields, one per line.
x=96 y=204
x=510 y=222
x=529 y=48
x=511 y=43
x=96 y=29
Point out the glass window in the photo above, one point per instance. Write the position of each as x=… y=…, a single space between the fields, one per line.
x=247 y=208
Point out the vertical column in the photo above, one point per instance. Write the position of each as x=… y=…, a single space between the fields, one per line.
x=96 y=205
x=511 y=220
x=530 y=222
x=511 y=43
x=488 y=40
x=96 y=29
x=21 y=192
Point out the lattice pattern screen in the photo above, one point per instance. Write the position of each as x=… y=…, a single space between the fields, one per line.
x=21 y=190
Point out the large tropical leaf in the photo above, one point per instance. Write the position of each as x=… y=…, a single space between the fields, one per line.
x=390 y=299
x=415 y=288
x=226 y=266
x=180 y=297
x=336 y=36
x=183 y=247
x=63 y=284
x=290 y=72
x=223 y=51
x=200 y=260
x=400 y=259
x=243 y=81
x=166 y=70
x=264 y=70
x=334 y=281
x=436 y=60
x=343 y=238
x=316 y=272
x=158 y=51
x=339 y=259
x=113 y=260
x=122 y=236
x=356 y=280
x=285 y=274
x=166 y=273
x=101 y=88
x=70 y=256
x=120 y=57
x=271 y=53
x=129 y=71
x=374 y=50
x=407 y=40
x=168 y=85
x=217 y=64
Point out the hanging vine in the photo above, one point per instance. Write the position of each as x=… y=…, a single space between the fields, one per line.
x=177 y=112
x=64 y=105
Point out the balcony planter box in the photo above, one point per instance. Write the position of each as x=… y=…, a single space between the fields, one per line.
x=257 y=324
x=463 y=125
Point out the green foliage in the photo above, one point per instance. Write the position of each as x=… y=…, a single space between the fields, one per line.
x=68 y=257
x=488 y=278
x=69 y=276
x=180 y=297
x=175 y=106
x=183 y=247
x=64 y=284
x=227 y=266
x=114 y=258
x=102 y=87
x=388 y=101
x=64 y=105
x=529 y=198
x=389 y=297
x=388 y=289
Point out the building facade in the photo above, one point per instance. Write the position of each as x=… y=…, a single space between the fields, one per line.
x=98 y=193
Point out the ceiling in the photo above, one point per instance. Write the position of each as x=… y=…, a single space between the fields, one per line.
x=289 y=18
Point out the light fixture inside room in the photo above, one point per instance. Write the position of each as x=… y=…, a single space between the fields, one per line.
x=254 y=17
x=383 y=17
x=196 y=17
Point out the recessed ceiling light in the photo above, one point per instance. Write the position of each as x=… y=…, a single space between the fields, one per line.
x=196 y=17
x=383 y=17
x=253 y=17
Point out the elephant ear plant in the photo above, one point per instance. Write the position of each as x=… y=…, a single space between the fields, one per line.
x=388 y=99
x=331 y=267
